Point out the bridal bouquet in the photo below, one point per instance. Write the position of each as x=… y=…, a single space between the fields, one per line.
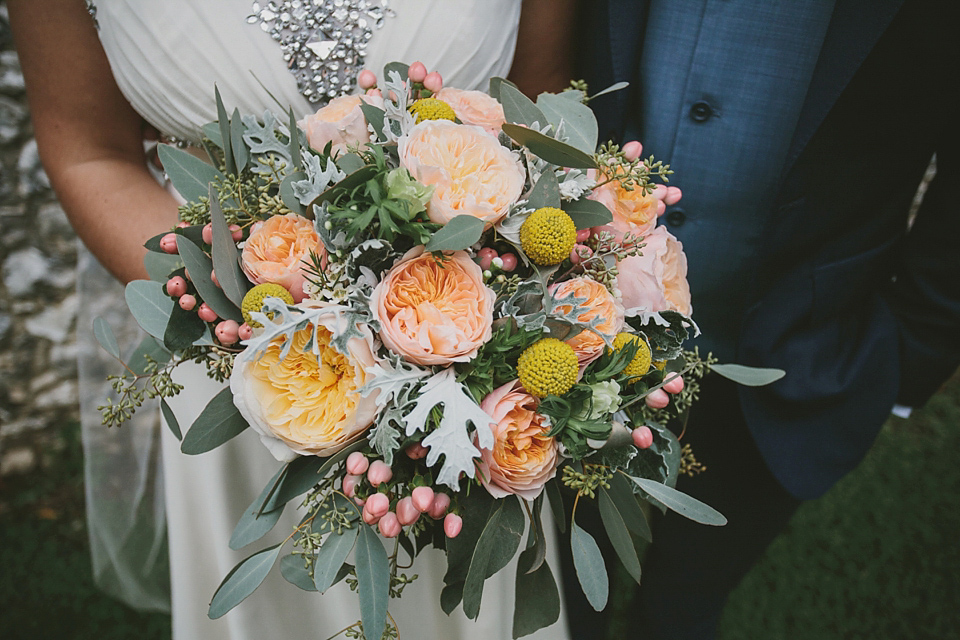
x=437 y=307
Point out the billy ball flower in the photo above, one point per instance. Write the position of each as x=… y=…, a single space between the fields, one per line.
x=253 y=300
x=548 y=236
x=641 y=360
x=432 y=109
x=546 y=367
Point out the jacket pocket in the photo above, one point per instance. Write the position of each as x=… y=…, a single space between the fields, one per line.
x=848 y=284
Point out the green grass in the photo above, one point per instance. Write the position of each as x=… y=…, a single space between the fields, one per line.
x=877 y=557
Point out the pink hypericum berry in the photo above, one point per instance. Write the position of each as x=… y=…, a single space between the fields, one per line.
x=452 y=525
x=486 y=255
x=390 y=525
x=417 y=451
x=187 y=302
x=632 y=150
x=245 y=331
x=206 y=313
x=674 y=384
x=657 y=399
x=374 y=93
x=168 y=243
x=379 y=472
x=509 y=262
x=357 y=463
x=417 y=72
x=584 y=234
x=182 y=225
x=368 y=517
x=228 y=331
x=366 y=79
x=407 y=512
x=207 y=233
x=176 y=286
x=377 y=504
x=236 y=232
x=350 y=483
x=213 y=278
x=422 y=498
x=642 y=437
x=438 y=509
x=433 y=82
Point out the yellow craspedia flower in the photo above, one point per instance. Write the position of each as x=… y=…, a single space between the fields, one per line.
x=253 y=301
x=432 y=109
x=546 y=367
x=641 y=361
x=548 y=236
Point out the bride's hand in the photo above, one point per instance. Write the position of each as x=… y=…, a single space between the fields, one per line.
x=90 y=139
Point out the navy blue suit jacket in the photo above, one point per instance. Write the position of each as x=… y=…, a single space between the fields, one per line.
x=859 y=312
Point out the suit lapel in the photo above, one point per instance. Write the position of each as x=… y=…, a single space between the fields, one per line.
x=855 y=27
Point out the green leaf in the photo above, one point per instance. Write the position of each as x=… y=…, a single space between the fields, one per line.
x=495 y=87
x=189 y=175
x=518 y=108
x=587 y=213
x=537 y=603
x=333 y=553
x=373 y=582
x=150 y=306
x=240 y=152
x=450 y=597
x=558 y=153
x=254 y=523
x=403 y=69
x=219 y=421
x=223 y=122
x=183 y=329
x=195 y=233
x=572 y=119
x=556 y=505
x=160 y=265
x=294 y=571
x=295 y=141
x=460 y=233
x=199 y=265
x=617 y=86
x=626 y=502
x=475 y=509
x=346 y=185
x=374 y=117
x=226 y=256
x=211 y=131
x=496 y=547
x=683 y=504
x=242 y=581
x=546 y=193
x=303 y=473
x=536 y=541
x=104 y=335
x=588 y=562
x=289 y=196
x=748 y=376
x=172 y=423
x=148 y=347
x=615 y=524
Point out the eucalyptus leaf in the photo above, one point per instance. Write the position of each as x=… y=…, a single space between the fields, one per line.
x=211 y=131
x=475 y=510
x=172 y=423
x=200 y=266
x=349 y=183
x=536 y=541
x=621 y=493
x=403 y=69
x=195 y=233
x=105 y=337
x=587 y=213
x=219 y=421
x=495 y=86
x=537 y=603
x=303 y=473
x=546 y=193
x=617 y=86
x=588 y=561
x=241 y=155
x=748 y=376
x=255 y=510
x=226 y=256
x=518 y=108
x=616 y=527
x=553 y=151
x=183 y=329
x=190 y=176
x=148 y=349
x=685 y=505
x=573 y=119
x=556 y=505
x=160 y=265
x=496 y=547
x=223 y=122
x=289 y=196
x=373 y=582
x=242 y=581
x=150 y=306
x=374 y=116
x=294 y=571
x=333 y=553
x=461 y=232
x=294 y=141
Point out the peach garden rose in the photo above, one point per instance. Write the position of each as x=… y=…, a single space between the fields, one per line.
x=433 y=312
x=474 y=107
x=471 y=172
x=657 y=279
x=587 y=344
x=633 y=212
x=308 y=402
x=341 y=122
x=523 y=458
x=278 y=251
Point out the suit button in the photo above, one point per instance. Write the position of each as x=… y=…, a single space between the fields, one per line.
x=676 y=218
x=701 y=111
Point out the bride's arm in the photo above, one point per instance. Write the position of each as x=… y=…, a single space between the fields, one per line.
x=544 y=57
x=90 y=139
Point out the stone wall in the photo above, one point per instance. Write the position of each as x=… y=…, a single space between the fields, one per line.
x=38 y=304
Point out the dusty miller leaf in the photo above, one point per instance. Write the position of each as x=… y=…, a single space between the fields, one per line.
x=263 y=139
x=319 y=178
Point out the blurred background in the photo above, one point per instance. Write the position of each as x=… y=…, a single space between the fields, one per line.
x=877 y=557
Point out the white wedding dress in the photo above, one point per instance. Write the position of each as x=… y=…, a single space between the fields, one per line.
x=166 y=56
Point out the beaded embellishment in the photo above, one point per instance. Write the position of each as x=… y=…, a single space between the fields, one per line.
x=323 y=41
x=92 y=10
